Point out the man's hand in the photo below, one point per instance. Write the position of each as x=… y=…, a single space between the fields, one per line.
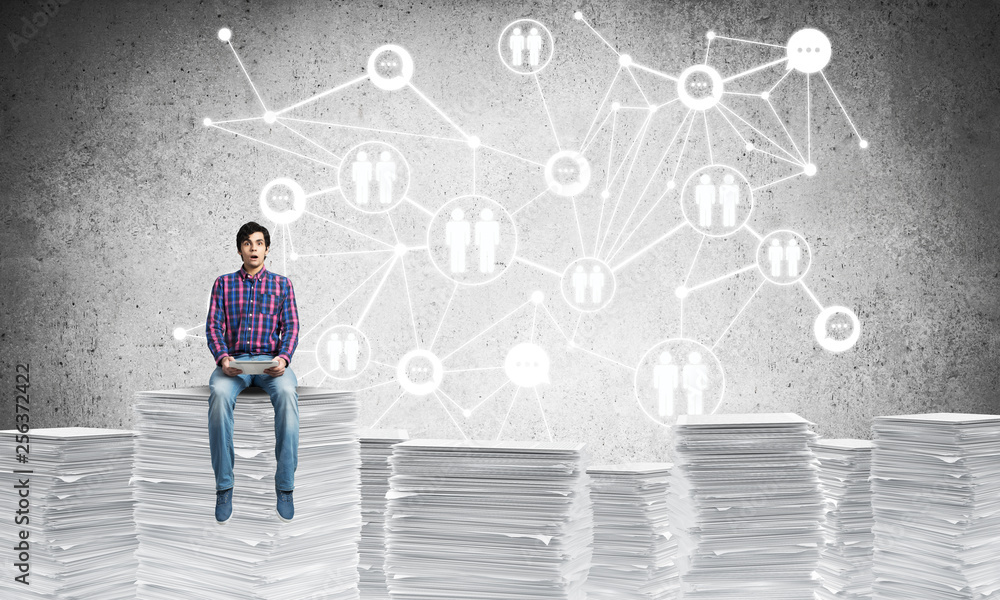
x=277 y=371
x=231 y=371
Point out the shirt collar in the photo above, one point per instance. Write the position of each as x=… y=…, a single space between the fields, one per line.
x=245 y=276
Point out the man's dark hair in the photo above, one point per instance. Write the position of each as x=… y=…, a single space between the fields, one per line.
x=247 y=230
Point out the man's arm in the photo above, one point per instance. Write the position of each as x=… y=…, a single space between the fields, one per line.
x=215 y=324
x=288 y=325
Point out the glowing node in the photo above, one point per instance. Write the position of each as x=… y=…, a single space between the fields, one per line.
x=863 y=143
x=578 y=15
x=810 y=169
x=842 y=320
x=473 y=142
x=270 y=117
x=571 y=345
x=616 y=105
x=419 y=372
x=625 y=60
x=466 y=413
x=605 y=194
x=699 y=87
x=537 y=297
x=285 y=187
x=653 y=108
x=710 y=35
x=225 y=34
x=206 y=122
x=808 y=51
x=671 y=184
x=765 y=95
x=749 y=146
x=527 y=365
x=682 y=292
x=180 y=333
x=567 y=173
x=293 y=256
x=399 y=249
x=390 y=67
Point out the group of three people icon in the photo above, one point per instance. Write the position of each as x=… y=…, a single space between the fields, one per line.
x=790 y=254
x=383 y=172
x=518 y=43
x=668 y=377
x=343 y=350
x=594 y=280
x=707 y=195
x=459 y=235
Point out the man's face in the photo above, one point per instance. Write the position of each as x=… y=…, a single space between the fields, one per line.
x=253 y=251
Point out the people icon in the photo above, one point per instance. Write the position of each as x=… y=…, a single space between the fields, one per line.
x=694 y=377
x=793 y=254
x=361 y=176
x=487 y=238
x=579 y=281
x=534 y=44
x=457 y=236
x=666 y=379
x=596 y=281
x=588 y=284
x=385 y=176
x=517 y=46
x=729 y=197
x=343 y=352
x=704 y=196
x=789 y=255
x=351 y=351
x=335 y=348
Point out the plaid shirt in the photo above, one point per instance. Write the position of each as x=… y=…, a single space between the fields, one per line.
x=252 y=315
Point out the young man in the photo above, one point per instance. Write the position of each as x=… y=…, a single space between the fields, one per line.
x=252 y=316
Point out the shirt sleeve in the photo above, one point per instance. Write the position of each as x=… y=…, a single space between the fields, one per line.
x=288 y=325
x=215 y=324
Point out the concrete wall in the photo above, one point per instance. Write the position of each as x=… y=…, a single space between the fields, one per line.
x=120 y=208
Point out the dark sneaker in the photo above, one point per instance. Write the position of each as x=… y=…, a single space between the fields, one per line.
x=223 y=506
x=286 y=507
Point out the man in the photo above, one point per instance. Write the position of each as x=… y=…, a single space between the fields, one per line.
x=252 y=316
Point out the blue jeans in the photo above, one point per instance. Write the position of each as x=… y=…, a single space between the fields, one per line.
x=284 y=399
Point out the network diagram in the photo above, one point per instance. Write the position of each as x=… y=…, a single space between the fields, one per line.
x=473 y=239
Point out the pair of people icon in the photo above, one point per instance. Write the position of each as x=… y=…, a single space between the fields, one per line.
x=518 y=43
x=706 y=196
x=346 y=350
x=790 y=254
x=363 y=172
x=458 y=235
x=692 y=377
x=594 y=280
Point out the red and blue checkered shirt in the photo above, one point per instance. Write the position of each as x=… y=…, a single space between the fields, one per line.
x=252 y=315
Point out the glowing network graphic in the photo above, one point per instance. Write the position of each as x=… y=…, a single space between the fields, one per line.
x=472 y=239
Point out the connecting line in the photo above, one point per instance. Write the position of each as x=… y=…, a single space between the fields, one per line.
x=542 y=268
x=382 y=364
x=708 y=50
x=752 y=232
x=483 y=332
x=473 y=171
x=308 y=140
x=375 y=130
x=604 y=358
x=755 y=69
x=635 y=140
x=378 y=289
x=745 y=305
x=493 y=393
x=648 y=247
x=284 y=254
x=276 y=147
x=778 y=82
x=529 y=202
x=345 y=227
x=794 y=145
x=601 y=37
x=372 y=387
x=322 y=94
x=435 y=107
x=388 y=409
x=590 y=140
x=732 y=39
x=809 y=137
x=443 y=315
x=310 y=372
x=424 y=209
x=655 y=72
x=797 y=161
x=639 y=87
x=409 y=301
x=579 y=228
x=811 y=295
x=321 y=192
x=722 y=277
x=755 y=148
x=227 y=121
x=504 y=152
x=473 y=369
x=708 y=137
x=542 y=410
x=534 y=322
x=687 y=136
x=449 y=399
x=694 y=260
x=552 y=125
x=576 y=328
x=601 y=105
x=841 y=105
x=628 y=176
x=450 y=416
x=554 y=322
x=288 y=233
x=767 y=185
x=250 y=81
x=507 y=416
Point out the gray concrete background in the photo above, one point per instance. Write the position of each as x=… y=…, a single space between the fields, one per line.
x=119 y=208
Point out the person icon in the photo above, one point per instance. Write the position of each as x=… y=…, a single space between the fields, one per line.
x=385 y=175
x=457 y=236
x=361 y=176
x=704 y=196
x=351 y=351
x=517 y=44
x=596 y=281
x=487 y=239
x=579 y=285
x=793 y=254
x=729 y=197
x=775 y=256
x=335 y=348
x=534 y=45
x=666 y=379
x=695 y=381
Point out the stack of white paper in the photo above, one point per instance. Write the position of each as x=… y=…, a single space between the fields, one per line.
x=500 y=520
x=76 y=509
x=746 y=506
x=634 y=550
x=376 y=448
x=184 y=553
x=936 y=500
x=845 y=564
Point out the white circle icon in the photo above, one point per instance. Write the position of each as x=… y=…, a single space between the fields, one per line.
x=343 y=352
x=525 y=46
x=784 y=257
x=808 y=51
x=567 y=173
x=472 y=240
x=283 y=190
x=390 y=67
x=837 y=328
x=588 y=284
x=679 y=376
x=419 y=372
x=527 y=365
x=373 y=177
x=699 y=87
x=717 y=200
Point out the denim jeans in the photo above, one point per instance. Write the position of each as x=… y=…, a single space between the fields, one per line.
x=284 y=399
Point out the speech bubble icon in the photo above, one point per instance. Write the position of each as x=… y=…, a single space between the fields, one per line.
x=808 y=51
x=527 y=365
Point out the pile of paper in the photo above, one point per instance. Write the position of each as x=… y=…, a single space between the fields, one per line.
x=936 y=500
x=498 y=520
x=75 y=507
x=376 y=448
x=634 y=551
x=746 y=506
x=845 y=564
x=184 y=553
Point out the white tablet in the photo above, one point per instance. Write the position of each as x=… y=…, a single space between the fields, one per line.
x=253 y=367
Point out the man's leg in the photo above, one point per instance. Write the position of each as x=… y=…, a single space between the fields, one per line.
x=285 y=400
x=221 y=402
